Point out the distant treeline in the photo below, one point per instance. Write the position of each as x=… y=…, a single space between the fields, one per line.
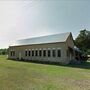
x=4 y=51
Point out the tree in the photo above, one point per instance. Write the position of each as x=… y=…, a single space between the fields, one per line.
x=83 y=41
x=3 y=51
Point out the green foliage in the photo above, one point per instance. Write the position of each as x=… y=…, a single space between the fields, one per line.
x=3 y=51
x=83 y=40
x=15 y=75
x=88 y=51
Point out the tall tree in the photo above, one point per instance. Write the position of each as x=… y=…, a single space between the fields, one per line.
x=83 y=40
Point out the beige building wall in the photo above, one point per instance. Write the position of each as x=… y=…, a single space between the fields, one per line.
x=20 y=52
x=70 y=43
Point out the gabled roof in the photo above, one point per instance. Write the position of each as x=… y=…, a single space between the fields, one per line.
x=43 y=39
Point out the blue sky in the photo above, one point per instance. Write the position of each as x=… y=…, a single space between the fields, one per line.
x=24 y=19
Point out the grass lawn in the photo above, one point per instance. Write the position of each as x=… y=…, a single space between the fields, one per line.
x=15 y=75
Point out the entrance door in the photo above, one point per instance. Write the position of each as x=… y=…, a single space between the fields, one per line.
x=20 y=56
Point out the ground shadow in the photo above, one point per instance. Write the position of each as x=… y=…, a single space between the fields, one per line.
x=83 y=65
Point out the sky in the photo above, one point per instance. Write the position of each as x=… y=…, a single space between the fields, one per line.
x=20 y=19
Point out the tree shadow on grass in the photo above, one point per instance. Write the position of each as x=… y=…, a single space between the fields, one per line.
x=83 y=65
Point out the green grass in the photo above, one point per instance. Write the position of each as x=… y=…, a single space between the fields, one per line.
x=15 y=75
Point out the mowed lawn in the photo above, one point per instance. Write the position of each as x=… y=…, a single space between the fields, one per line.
x=15 y=75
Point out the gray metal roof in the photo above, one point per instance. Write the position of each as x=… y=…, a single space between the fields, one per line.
x=43 y=39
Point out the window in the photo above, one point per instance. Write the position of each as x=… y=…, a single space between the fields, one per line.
x=12 y=53
x=44 y=53
x=40 y=53
x=26 y=52
x=36 y=53
x=29 y=53
x=32 y=53
x=49 y=53
x=59 y=53
x=53 y=53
